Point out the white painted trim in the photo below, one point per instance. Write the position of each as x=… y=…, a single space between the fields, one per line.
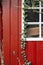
x=29 y=23
x=41 y=7
x=33 y=7
x=22 y=18
x=41 y=22
x=33 y=39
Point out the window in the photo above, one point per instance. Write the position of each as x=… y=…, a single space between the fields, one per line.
x=32 y=19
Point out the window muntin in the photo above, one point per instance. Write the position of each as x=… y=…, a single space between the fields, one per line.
x=37 y=12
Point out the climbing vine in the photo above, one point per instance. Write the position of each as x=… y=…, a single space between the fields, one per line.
x=23 y=42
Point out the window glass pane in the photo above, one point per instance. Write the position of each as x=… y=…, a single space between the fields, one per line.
x=33 y=3
x=42 y=4
x=42 y=15
x=32 y=15
x=42 y=30
x=32 y=31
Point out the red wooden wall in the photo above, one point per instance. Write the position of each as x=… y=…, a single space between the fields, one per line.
x=0 y=23
x=12 y=13
x=6 y=31
x=14 y=32
x=0 y=31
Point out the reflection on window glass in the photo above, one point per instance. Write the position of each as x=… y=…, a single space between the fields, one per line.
x=33 y=3
x=42 y=30
x=42 y=15
x=32 y=15
x=32 y=31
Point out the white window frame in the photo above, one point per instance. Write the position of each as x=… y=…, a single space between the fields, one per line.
x=29 y=23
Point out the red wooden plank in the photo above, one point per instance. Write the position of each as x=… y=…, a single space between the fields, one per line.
x=39 y=53
x=14 y=32
x=0 y=23
x=6 y=31
x=0 y=31
x=31 y=53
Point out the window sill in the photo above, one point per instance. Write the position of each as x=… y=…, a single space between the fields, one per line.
x=33 y=39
